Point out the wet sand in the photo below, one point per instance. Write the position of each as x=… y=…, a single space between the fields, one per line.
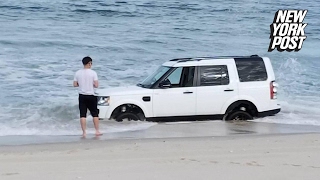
x=196 y=150
x=167 y=130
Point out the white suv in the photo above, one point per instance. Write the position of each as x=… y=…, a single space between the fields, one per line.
x=212 y=88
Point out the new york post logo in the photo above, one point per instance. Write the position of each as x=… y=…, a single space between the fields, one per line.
x=287 y=30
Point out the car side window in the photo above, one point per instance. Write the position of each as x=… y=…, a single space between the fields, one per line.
x=214 y=75
x=182 y=77
x=251 y=69
x=175 y=77
x=187 y=78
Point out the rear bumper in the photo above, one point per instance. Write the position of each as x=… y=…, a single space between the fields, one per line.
x=269 y=113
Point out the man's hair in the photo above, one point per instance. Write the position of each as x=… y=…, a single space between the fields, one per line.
x=86 y=60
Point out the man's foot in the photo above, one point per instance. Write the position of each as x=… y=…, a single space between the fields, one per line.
x=84 y=135
x=98 y=133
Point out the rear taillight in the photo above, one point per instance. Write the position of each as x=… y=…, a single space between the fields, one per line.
x=273 y=90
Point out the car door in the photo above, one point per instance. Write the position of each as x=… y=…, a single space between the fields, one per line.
x=216 y=87
x=180 y=98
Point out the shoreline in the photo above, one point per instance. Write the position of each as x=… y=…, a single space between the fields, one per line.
x=166 y=130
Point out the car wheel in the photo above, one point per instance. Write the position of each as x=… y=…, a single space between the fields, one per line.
x=141 y=117
x=128 y=116
x=239 y=116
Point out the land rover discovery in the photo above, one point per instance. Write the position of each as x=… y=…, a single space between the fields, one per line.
x=212 y=88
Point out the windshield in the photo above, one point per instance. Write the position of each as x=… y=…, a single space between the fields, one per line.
x=154 y=77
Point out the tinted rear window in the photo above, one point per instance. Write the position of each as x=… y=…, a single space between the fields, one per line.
x=214 y=75
x=251 y=69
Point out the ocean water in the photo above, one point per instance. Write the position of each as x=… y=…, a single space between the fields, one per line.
x=42 y=43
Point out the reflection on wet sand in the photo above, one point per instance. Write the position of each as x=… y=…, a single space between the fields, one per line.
x=249 y=127
x=169 y=130
x=213 y=128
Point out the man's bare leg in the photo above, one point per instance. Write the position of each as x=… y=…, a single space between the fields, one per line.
x=96 y=125
x=83 y=123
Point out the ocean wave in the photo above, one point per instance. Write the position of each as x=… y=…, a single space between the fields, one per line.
x=43 y=43
x=11 y=7
x=27 y=8
x=60 y=120
x=106 y=12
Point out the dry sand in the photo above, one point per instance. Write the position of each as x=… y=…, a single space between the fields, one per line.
x=250 y=157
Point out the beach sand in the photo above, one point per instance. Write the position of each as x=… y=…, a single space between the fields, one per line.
x=241 y=156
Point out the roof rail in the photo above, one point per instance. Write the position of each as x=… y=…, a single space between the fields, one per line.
x=210 y=57
x=179 y=59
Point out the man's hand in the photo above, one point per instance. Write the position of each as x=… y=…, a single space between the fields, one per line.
x=95 y=84
x=75 y=84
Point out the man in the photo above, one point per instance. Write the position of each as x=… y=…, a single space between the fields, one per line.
x=86 y=79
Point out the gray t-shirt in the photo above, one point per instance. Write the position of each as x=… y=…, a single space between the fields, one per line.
x=85 y=79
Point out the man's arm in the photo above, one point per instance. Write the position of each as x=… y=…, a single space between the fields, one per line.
x=75 y=81
x=95 y=81
x=75 y=84
x=96 y=84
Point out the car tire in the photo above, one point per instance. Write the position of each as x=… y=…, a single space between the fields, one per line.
x=141 y=117
x=129 y=116
x=239 y=116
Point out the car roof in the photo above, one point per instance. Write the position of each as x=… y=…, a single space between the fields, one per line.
x=195 y=60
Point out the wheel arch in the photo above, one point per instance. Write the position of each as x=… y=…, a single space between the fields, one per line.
x=127 y=107
x=249 y=106
x=116 y=104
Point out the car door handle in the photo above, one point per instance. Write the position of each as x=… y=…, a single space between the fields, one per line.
x=187 y=92
x=228 y=90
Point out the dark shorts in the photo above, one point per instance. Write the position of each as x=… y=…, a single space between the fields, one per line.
x=88 y=102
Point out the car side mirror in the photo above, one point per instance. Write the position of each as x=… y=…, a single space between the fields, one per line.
x=165 y=84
